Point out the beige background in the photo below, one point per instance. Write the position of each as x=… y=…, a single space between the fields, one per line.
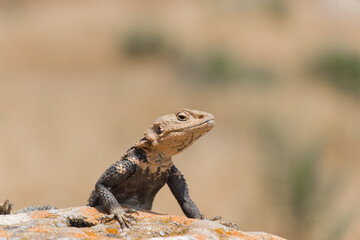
x=72 y=101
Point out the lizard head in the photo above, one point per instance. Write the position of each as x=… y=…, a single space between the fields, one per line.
x=171 y=134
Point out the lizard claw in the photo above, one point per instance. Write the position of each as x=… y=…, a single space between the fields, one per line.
x=107 y=218
x=130 y=210
x=6 y=208
x=226 y=224
x=217 y=218
x=230 y=224
x=130 y=216
x=124 y=221
x=123 y=216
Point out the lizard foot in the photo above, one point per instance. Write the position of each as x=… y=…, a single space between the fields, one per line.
x=226 y=224
x=123 y=216
x=6 y=208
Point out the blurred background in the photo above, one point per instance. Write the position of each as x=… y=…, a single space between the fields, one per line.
x=80 y=81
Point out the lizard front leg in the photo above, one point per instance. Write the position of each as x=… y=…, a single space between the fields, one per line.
x=179 y=189
x=111 y=177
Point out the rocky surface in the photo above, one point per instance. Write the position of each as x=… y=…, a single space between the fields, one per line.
x=85 y=223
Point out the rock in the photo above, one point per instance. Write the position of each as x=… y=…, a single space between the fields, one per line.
x=84 y=222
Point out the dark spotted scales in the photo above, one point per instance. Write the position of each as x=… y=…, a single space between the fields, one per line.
x=136 y=187
x=134 y=180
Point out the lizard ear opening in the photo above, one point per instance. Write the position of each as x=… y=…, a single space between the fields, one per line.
x=157 y=129
x=149 y=140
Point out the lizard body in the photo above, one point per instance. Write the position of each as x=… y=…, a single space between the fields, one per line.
x=134 y=180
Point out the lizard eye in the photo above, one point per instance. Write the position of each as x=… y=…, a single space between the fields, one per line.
x=182 y=116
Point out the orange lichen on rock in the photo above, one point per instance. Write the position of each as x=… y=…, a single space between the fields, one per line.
x=41 y=229
x=235 y=233
x=4 y=234
x=200 y=237
x=92 y=234
x=112 y=231
x=165 y=218
x=219 y=230
x=83 y=222
x=91 y=214
x=248 y=236
x=41 y=214
x=179 y=219
x=78 y=235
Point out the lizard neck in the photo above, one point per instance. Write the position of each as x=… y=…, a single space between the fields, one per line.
x=153 y=156
x=158 y=158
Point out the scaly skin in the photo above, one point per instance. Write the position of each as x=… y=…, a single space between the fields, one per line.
x=135 y=179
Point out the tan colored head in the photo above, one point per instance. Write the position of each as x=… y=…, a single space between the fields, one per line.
x=171 y=134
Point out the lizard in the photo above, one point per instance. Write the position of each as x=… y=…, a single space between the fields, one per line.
x=132 y=183
x=135 y=179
